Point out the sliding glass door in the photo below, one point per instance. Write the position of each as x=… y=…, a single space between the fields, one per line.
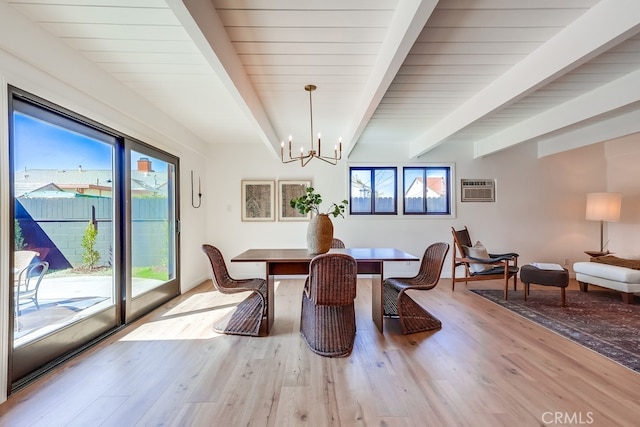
x=94 y=234
x=152 y=228
x=64 y=235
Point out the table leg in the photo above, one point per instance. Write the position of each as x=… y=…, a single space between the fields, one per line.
x=377 y=299
x=374 y=268
x=271 y=300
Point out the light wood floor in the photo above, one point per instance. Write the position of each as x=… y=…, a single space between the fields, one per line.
x=485 y=367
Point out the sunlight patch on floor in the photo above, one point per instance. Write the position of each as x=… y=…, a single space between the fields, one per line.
x=190 y=319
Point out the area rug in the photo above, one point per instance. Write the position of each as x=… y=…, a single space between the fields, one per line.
x=597 y=319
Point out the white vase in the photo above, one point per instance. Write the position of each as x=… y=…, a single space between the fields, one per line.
x=319 y=234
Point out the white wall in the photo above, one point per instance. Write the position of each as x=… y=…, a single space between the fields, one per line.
x=623 y=175
x=539 y=211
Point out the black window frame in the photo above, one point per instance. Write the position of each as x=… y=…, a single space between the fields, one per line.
x=372 y=170
x=448 y=185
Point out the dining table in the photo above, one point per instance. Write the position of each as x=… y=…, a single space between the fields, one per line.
x=289 y=262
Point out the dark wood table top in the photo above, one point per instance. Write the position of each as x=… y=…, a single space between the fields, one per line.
x=303 y=255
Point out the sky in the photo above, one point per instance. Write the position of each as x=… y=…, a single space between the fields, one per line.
x=42 y=145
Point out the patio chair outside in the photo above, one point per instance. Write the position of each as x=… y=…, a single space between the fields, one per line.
x=28 y=291
x=21 y=262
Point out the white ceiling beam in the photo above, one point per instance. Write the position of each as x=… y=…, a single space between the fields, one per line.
x=617 y=127
x=201 y=21
x=597 y=30
x=409 y=19
x=612 y=96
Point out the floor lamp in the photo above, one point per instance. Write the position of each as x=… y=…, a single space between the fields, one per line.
x=603 y=207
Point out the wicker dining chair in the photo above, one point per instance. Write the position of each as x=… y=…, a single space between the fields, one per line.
x=247 y=317
x=398 y=304
x=328 y=321
x=337 y=243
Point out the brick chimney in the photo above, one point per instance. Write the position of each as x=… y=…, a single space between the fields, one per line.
x=144 y=165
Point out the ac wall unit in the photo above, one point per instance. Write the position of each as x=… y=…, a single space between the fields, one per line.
x=478 y=190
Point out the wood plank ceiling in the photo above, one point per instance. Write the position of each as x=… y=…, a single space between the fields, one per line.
x=415 y=74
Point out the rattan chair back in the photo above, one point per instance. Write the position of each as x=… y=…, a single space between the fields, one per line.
x=332 y=279
x=327 y=319
x=337 y=243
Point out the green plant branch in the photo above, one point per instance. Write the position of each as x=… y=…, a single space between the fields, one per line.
x=310 y=202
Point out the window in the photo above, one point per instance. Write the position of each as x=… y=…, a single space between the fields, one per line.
x=93 y=227
x=373 y=191
x=427 y=190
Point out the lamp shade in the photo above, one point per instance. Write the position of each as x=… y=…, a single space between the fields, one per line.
x=604 y=206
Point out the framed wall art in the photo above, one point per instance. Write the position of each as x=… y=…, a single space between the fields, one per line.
x=257 y=200
x=288 y=190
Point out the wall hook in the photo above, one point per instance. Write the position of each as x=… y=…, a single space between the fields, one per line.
x=199 y=193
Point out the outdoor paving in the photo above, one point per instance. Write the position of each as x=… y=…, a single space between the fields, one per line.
x=66 y=299
x=74 y=286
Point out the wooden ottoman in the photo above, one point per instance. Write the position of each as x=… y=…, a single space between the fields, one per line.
x=531 y=274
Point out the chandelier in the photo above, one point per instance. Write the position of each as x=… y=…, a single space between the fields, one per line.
x=305 y=158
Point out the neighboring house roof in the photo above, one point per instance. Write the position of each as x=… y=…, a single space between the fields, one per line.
x=137 y=184
x=22 y=188
x=36 y=190
x=435 y=188
x=437 y=184
x=50 y=195
x=85 y=179
x=64 y=176
x=52 y=191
